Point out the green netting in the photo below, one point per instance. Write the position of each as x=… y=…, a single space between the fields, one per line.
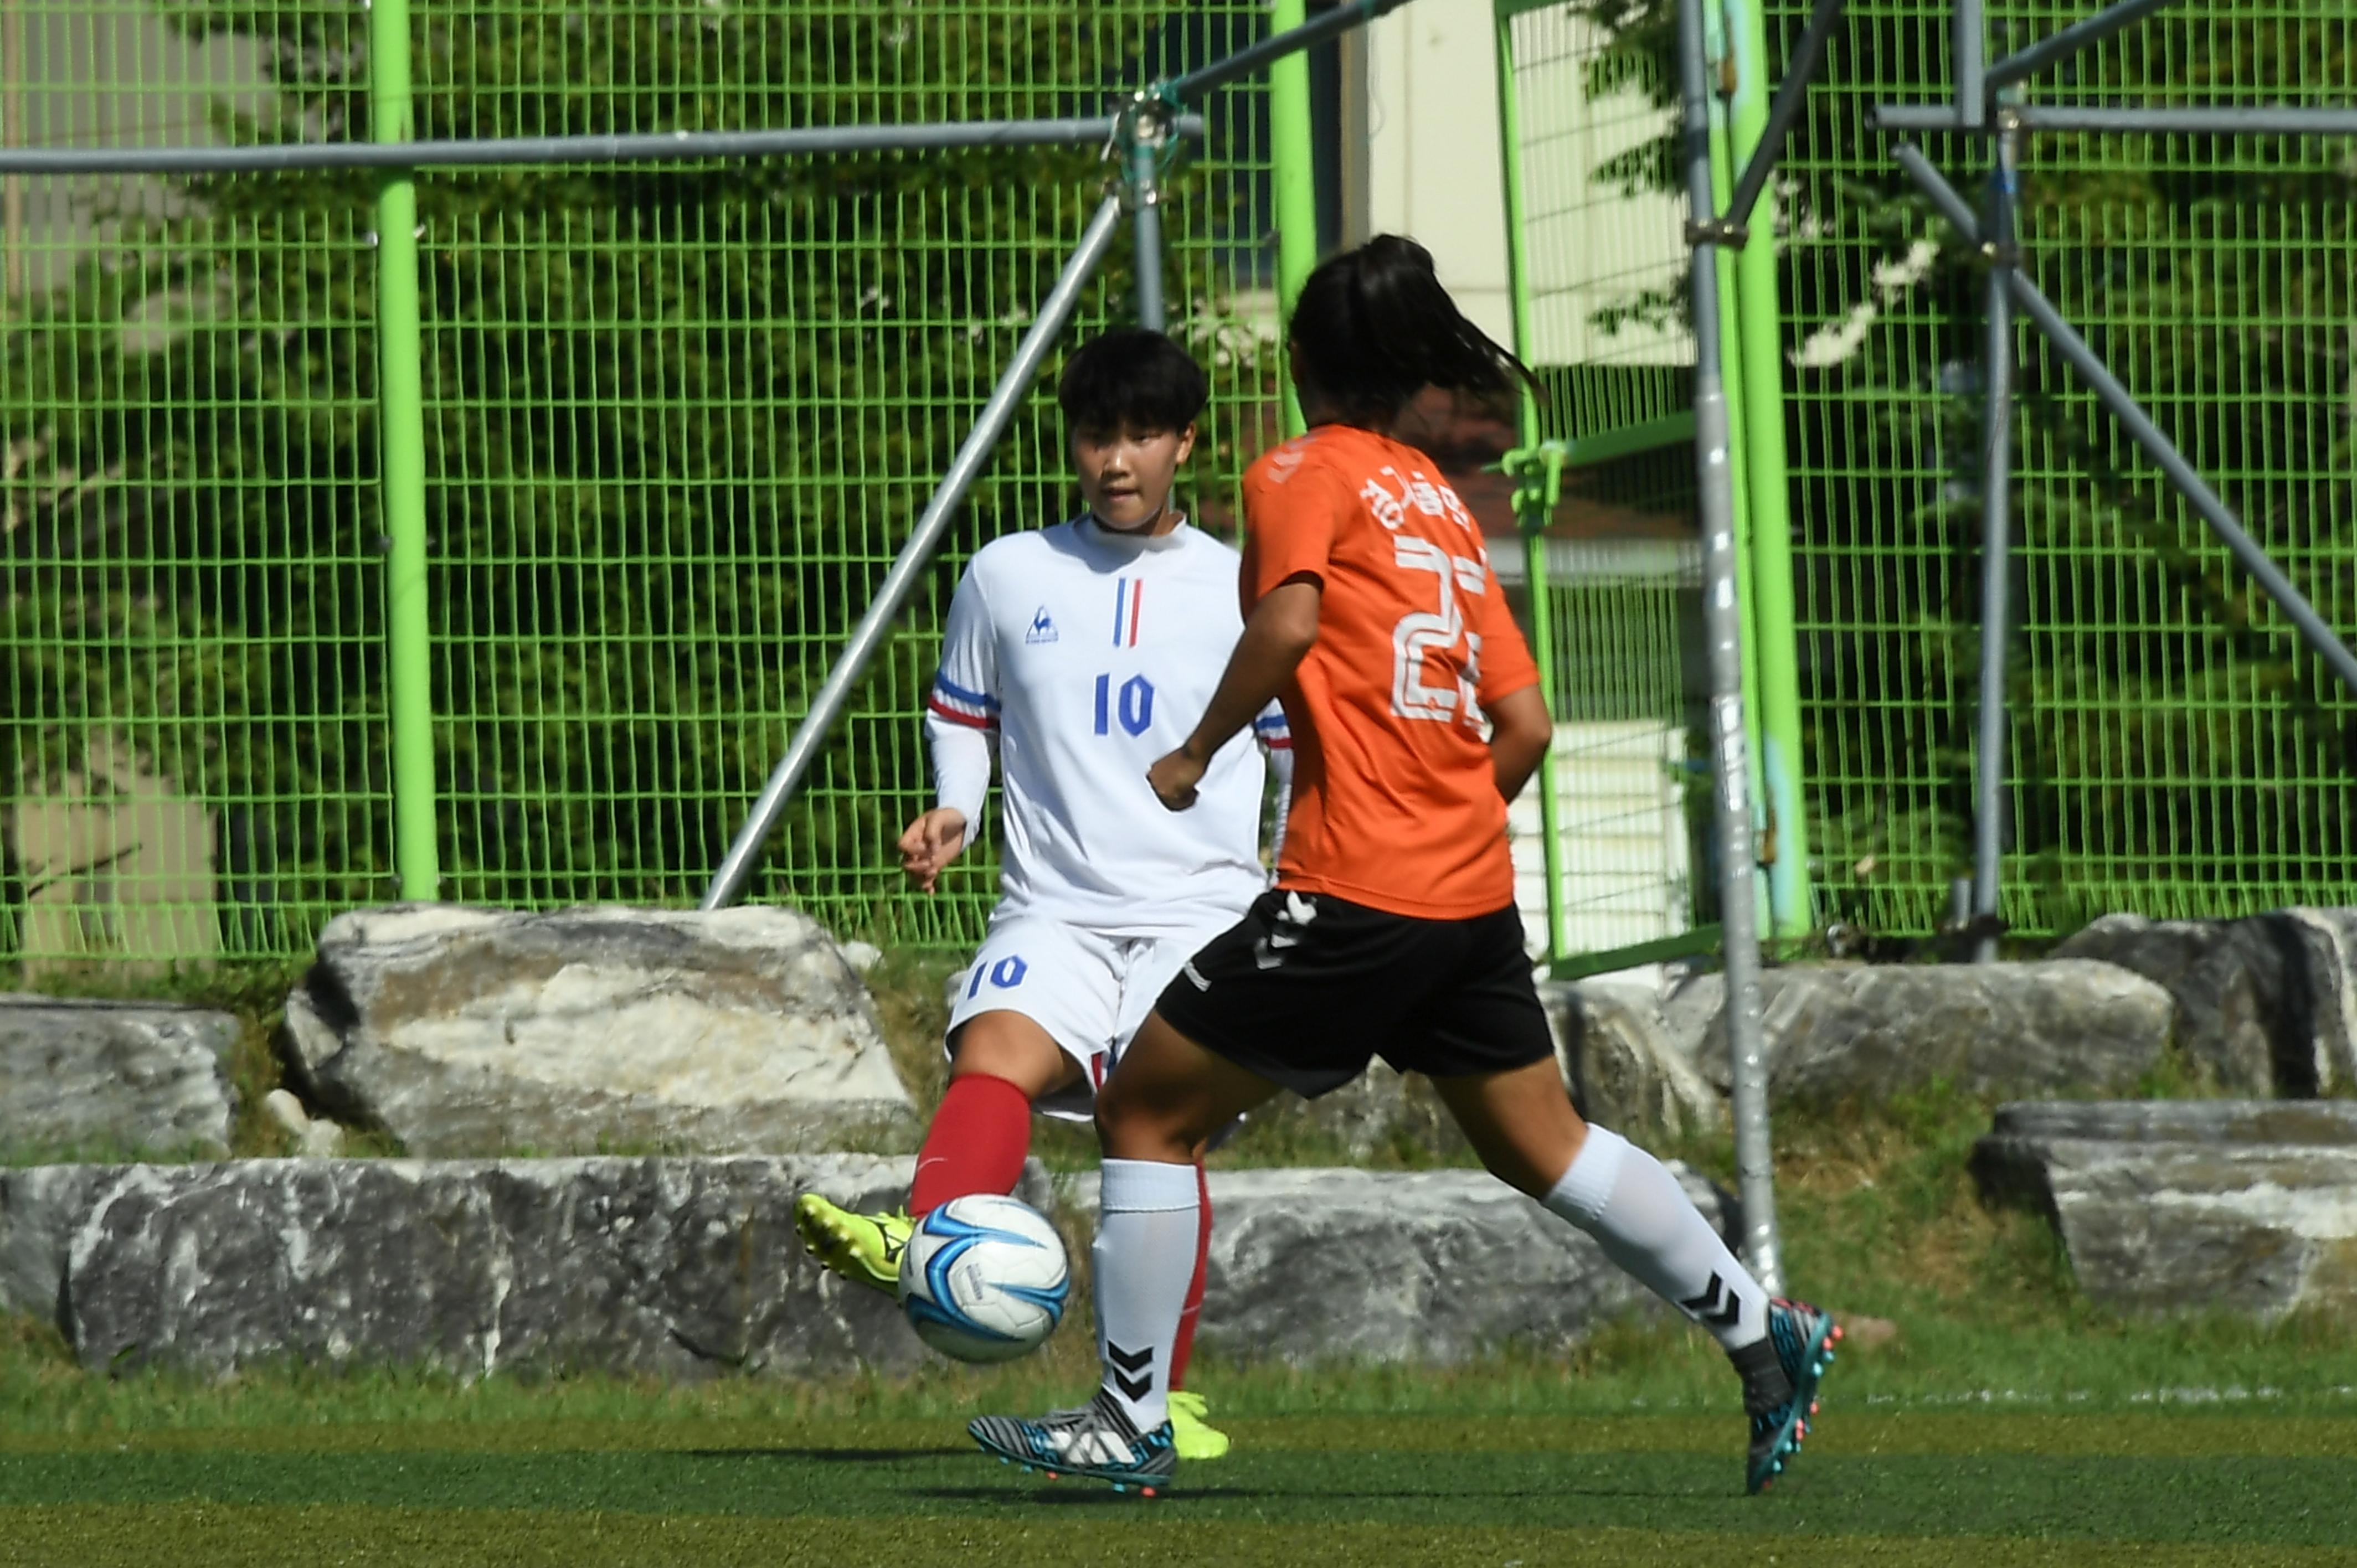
x=2174 y=750
x=1600 y=260
x=677 y=419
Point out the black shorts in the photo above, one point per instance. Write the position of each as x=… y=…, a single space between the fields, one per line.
x=1307 y=988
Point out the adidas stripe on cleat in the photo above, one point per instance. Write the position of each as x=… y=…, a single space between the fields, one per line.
x=1094 y=1443
x=1803 y=1338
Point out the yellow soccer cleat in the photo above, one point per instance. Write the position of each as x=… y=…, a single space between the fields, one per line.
x=1190 y=1434
x=863 y=1248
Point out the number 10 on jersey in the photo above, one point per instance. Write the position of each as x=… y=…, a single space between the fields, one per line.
x=1134 y=709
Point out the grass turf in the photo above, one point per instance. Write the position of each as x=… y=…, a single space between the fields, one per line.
x=1908 y=1490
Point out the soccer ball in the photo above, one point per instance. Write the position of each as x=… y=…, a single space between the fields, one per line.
x=985 y=1278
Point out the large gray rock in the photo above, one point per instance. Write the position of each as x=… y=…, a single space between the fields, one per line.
x=2191 y=1206
x=2266 y=1004
x=686 y=1267
x=1423 y=1266
x=1858 y=1032
x=666 y=1267
x=1624 y=1062
x=481 y=1032
x=134 y=1076
x=1378 y=1113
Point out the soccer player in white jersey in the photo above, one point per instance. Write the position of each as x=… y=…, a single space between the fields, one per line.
x=1079 y=653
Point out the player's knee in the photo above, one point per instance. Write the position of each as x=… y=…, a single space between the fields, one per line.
x=1132 y=1126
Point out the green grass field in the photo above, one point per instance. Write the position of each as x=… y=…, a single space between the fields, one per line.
x=1960 y=1443
x=1904 y=1488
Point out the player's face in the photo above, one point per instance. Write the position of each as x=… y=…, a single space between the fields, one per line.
x=1126 y=476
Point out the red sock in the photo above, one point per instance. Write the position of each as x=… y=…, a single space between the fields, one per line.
x=1182 y=1349
x=976 y=1142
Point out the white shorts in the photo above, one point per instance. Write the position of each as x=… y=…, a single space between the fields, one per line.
x=1091 y=993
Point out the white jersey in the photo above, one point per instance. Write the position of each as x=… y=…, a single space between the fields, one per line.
x=1089 y=655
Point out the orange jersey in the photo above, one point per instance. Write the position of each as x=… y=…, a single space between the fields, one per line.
x=1396 y=800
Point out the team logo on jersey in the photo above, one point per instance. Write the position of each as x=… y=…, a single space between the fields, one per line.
x=1042 y=628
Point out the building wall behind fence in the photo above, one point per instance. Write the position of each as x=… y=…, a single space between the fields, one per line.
x=677 y=419
x=2174 y=749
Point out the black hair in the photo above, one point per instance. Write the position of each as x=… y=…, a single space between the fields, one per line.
x=1373 y=328
x=1131 y=379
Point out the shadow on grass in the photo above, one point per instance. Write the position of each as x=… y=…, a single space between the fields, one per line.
x=824 y=1456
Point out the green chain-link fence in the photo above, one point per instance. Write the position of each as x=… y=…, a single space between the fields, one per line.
x=677 y=419
x=2173 y=750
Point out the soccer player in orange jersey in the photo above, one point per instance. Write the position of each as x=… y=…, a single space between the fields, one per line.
x=1372 y=613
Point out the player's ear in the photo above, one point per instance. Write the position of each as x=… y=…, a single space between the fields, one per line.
x=1185 y=442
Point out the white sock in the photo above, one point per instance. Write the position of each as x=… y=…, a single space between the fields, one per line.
x=1145 y=1259
x=1632 y=1206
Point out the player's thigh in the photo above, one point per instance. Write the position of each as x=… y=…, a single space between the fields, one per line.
x=1519 y=1121
x=1012 y=1046
x=1036 y=982
x=1169 y=1095
x=1481 y=1036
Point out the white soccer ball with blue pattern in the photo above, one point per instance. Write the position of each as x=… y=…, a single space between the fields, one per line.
x=985 y=1278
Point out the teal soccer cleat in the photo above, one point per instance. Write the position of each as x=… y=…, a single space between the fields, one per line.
x=1095 y=1441
x=1803 y=1338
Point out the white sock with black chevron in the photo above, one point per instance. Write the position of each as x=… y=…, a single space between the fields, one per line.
x=1145 y=1259
x=1634 y=1208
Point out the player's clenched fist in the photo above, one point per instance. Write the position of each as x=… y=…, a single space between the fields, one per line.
x=1174 y=780
x=931 y=842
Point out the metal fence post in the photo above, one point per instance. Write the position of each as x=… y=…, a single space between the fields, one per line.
x=401 y=479
x=1293 y=180
x=1775 y=644
x=1532 y=515
x=1997 y=482
x=1754 y=1158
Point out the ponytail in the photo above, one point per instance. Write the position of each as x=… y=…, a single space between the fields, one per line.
x=1373 y=328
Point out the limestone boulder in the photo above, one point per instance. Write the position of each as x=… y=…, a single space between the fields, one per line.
x=671 y=1268
x=2240 y=1207
x=135 y=1077
x=1840 y=1032
x=1624 y=1061
x=475 y=1032
x=1379 y=1112
x=2268 y=1004
x=1429 y=1267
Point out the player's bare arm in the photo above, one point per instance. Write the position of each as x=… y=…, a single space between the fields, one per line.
x=1280 y=633
x=1520 y=729
x=931 y=842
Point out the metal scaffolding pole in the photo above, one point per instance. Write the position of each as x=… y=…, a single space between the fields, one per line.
x=2247 y=551
x=2024 y=63
x=1791 y=94
x=1997 y=495
x=1972 y=64
x=1145 y=131
x=2189 y=122
x=1754 y=1157
x=735 y=870
x=1331 y=23
x=909 y=567
x=661 y=146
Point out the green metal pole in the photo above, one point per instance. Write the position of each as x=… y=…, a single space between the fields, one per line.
x=1722 y=182
x=1534 y=515
x=1293 y=179
x=401 y=494
x=1775 y=642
